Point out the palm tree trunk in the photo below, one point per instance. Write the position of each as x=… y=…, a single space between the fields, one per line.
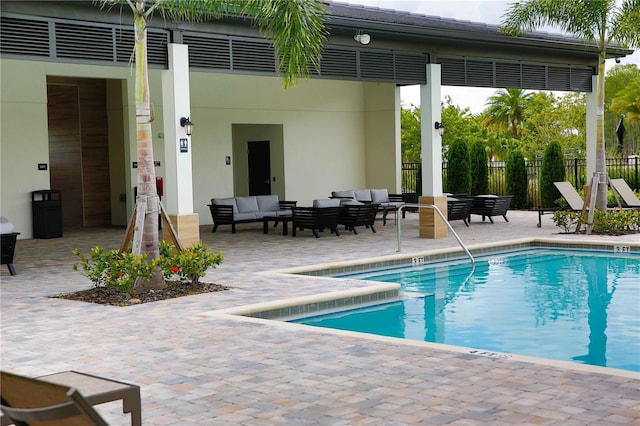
x=601 y=200
x=147 y=192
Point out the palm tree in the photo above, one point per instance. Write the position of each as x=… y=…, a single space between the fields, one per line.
x=506 y=109
x=296 y=29
x=603 y=22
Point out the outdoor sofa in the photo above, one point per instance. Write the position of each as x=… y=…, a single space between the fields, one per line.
x=386 y=202
x=246 y=209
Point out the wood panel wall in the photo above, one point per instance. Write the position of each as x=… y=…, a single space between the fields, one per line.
x=91 y=169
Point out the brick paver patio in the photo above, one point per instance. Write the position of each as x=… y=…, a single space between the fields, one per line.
x=198 y=367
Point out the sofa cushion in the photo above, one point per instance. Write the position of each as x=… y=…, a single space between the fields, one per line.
x=245 y=216
x=344 y=194
x=363 y=195
x=268 y=203
x=247 y=204
x=379 y=195
x=350 y=202
x=326 y=202
x=231 y=201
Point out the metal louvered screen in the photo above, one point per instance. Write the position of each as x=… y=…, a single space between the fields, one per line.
x=581 y=79
x=534 y=76
x=558 y=78
x=339 y=63
x=84 y=42
x=515 y=75
x=454 y=72
x=480 y=74
x=411 y=69
x=99 y=43
x=252 y=56
x=208 y=52
x=24 y=36
x=376 y=66
x=508 y=75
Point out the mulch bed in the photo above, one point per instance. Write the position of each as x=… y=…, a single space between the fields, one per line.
x=108 y=296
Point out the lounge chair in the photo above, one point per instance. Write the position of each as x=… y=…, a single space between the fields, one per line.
x=627 y=194
x=33 y=401
x=488 y=206
x=458 y=209
x=570 y=195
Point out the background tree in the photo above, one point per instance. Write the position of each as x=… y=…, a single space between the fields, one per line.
x=410 y=134
x=506 y=110
x=602 y=22
x=550 y=118
x=517 y=181
x=458 y=168
x=552 y=170
x=479 y=169
x=296 y=29
x=622 y=97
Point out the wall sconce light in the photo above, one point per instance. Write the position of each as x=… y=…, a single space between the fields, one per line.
x=439 y=127
x=187 y=124
x=362 y=38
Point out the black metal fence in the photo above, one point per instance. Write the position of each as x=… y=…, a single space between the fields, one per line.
x=576 y=170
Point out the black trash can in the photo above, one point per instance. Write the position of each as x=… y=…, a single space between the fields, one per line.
x=46 y=207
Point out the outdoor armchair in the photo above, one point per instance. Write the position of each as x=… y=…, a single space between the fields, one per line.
x=32 y=401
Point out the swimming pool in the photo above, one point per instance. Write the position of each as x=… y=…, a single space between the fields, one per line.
x=572 y=305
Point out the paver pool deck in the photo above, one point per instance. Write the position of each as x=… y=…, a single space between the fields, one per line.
x=199 y=367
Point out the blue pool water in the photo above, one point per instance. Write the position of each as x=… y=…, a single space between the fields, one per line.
x=572 y=305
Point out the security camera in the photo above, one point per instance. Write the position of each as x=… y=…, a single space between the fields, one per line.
x=617 y=60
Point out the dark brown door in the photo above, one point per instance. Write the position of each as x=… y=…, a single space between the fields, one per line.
x=65 y=151
x=259 y=159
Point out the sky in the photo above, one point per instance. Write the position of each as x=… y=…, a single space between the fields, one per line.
x=483 y=11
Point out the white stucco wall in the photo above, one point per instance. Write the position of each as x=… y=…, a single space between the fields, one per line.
x=329 y=134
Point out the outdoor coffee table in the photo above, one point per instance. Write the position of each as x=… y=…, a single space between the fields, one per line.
x=98 y=390
x=284 y=219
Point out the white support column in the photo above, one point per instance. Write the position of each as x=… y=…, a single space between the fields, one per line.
x=178 y=182
x=431 y=225
x=592 y=127
x=430 y=112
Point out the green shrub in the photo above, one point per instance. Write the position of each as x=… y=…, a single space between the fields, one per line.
x=125 y=272
x=565 y=219
x=479 y=169
x=189 y=264
x=551 y=170
x=458 y=168
x=517 y=179
x=119 y=270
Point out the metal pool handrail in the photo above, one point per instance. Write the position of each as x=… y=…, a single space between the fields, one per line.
x=399 y=222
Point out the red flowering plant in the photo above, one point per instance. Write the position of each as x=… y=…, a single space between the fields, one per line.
x=189 y=264
x=125 y=271
x=122 y=271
